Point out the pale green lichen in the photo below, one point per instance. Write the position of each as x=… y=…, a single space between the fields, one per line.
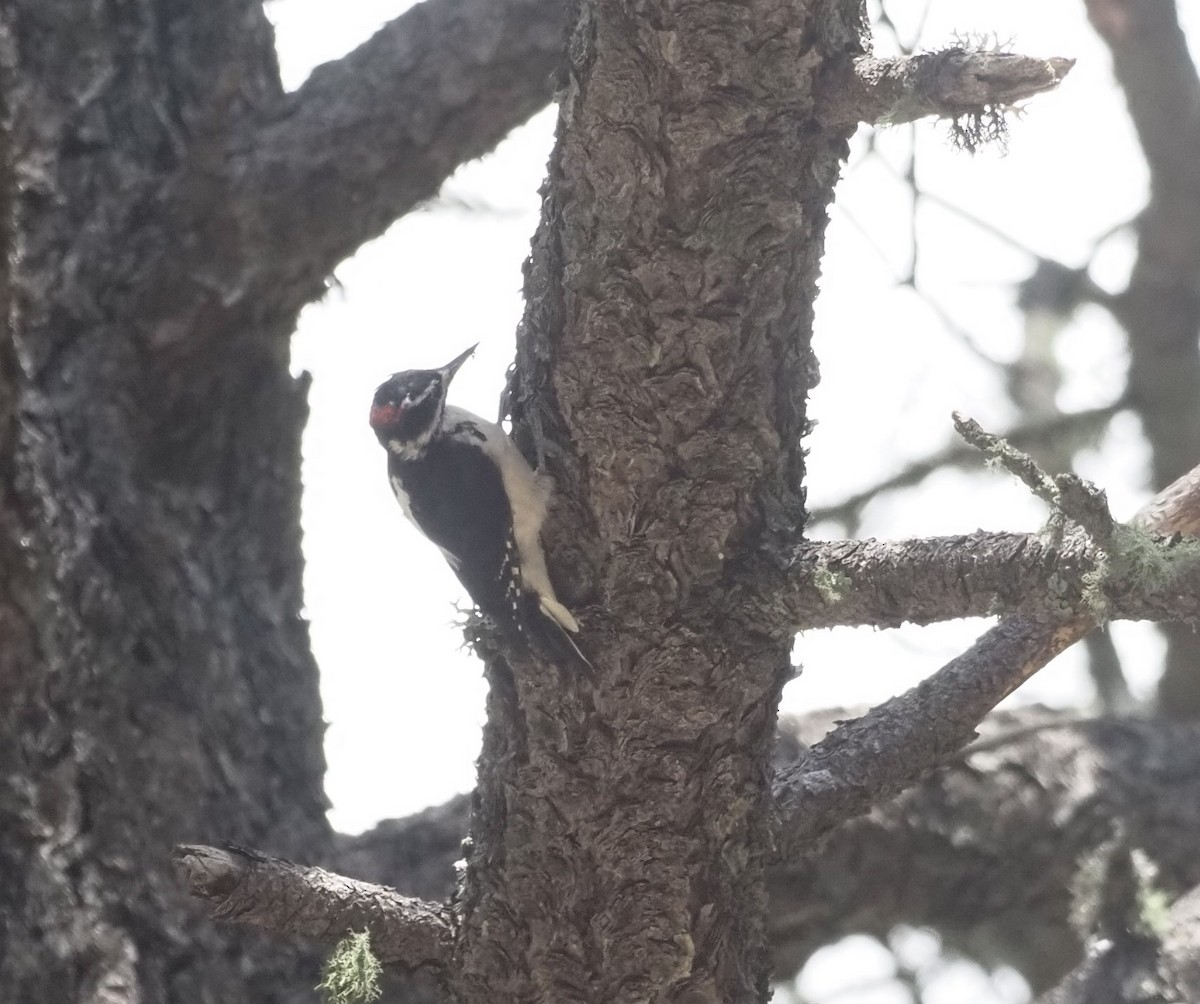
x=1059 y=595
x=1138 y=559
x=1094 y=581
x=1149 y=561
x=351 y=975
x=1151 y=906
x=1087 y=888
x=1154 y=905
x=1142 y=559
x=833 y=586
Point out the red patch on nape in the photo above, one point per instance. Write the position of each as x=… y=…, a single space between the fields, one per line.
x=384 y=415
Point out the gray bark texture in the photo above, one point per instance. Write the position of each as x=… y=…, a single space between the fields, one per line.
x=156 y=676
x=165 y=213
x=665 y=350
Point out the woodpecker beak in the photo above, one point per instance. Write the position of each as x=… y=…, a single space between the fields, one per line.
x=451 y=367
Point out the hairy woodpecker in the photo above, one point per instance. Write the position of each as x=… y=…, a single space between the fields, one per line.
x=464 y=484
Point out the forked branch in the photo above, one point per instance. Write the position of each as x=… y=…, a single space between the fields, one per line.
x=872 y=758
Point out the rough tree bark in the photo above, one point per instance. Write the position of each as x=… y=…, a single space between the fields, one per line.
x=621 y=832
x=156 y=677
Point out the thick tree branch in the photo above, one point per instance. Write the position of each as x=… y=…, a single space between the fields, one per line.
x=1111 y=572
x=873 y=758
x=275 y=894
x=370 y=136
x=945 y=84
x=1176 y=509
x=885 y=583
x=415 y=854
x=878 y=755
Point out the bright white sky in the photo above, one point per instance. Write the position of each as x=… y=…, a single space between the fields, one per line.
x=404 y=703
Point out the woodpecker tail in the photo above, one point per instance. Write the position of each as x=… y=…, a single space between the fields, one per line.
x=547 y=625
x=562 y=646
x=558 y=613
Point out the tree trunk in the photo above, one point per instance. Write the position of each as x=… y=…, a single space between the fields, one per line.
x=156 y=676
x=620 y=831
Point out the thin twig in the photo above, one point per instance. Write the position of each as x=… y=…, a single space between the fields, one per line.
x=960 y=455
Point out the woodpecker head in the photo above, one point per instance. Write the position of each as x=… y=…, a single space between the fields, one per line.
x=408 y=407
